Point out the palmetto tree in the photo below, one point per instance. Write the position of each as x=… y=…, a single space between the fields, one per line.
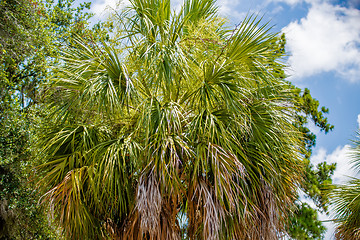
x=180 y=130
x=346 y=202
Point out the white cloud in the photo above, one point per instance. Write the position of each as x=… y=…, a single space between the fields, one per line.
x=101 y=8
x=358 y=121
x=228 y=8
x=289 y=2
x=327 y=39
x=341 y=157
x=295 y=2
x=330 y=226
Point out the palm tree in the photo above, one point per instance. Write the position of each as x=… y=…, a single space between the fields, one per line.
x=346 y=202
x=181 y=129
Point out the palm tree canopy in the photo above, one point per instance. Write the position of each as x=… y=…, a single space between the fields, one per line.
x=179 y=128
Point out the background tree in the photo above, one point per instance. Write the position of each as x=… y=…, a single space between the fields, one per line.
x=31 y=35
x=304 y=224
x=180 y=120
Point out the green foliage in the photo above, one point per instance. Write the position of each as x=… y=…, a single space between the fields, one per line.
x=318 y=183
x=20 y=217
x=317 y=180
x=31 y=35
x=17 y=21
x=304 y=224
x=309 y=108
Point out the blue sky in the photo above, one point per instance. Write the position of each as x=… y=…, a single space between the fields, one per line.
x=323 y=43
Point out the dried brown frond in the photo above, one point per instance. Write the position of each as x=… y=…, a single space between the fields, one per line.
x=148 y=205
x=205 y=212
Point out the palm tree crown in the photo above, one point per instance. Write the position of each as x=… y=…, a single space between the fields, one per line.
x=182 y=129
